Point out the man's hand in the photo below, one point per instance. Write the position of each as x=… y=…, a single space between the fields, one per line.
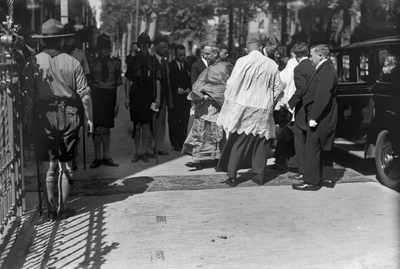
x=89 y=127
x=312 y=123
x=187 y=91
x=157 y=103
x=181 y=91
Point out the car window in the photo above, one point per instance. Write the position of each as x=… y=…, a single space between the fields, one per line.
x=351 y=67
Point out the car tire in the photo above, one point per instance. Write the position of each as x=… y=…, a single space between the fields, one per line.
x=388 y=168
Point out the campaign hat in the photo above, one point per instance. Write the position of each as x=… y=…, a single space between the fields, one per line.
x=143 y=38
x=103 y=41
x=52 y=28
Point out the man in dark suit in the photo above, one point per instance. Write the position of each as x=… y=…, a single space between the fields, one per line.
x=320 y=110
x=178 y=116
x=302 y=75
x=31 y=45
x=199 y=65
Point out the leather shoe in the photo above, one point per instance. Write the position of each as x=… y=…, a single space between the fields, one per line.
x=196 y=165
x=329 y=183
x=161 y=152
x=296 y=176
x=136 y=158
x=145 y=158
x=230 y=181
x=110 y=162
x=259 y=182
x=96 y=163
x=306 y=187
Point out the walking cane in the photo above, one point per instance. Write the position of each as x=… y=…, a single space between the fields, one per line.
x=39 y=185
x=155 y=134
x=84 y=147
x=154 y=111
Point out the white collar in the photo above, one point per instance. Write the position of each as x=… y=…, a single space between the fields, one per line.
x=319 y=64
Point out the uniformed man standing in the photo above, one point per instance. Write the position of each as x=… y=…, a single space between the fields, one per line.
x=56 y=81
x=105 y=79
x=70 y=48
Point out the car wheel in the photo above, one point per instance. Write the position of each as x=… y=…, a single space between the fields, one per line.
x=387 y=165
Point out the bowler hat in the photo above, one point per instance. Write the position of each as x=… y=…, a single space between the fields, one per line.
x=52 y=28
x=103 y=41
x=143 y=38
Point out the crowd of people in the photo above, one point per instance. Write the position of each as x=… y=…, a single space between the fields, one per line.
x=218 y=111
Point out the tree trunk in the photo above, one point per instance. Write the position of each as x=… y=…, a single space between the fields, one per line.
x=230 y=31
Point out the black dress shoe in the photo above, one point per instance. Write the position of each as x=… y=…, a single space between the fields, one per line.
x=161 y=152
x=110 y=162
x=296 y=176
x=196 y=165
x=230 y=181
x=329 y=183
x=306 y=187
x=96 y=163
x=145 y=158
x=136 y=158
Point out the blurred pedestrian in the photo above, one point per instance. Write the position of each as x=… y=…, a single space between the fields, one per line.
x=178 y=116
x=142 y=88
x=205 y=139
x=105 y=81
x=302 y=75
x=246 y=115
x=70 y=48
x=321 y=112
x=57 y=123
x=156 y=143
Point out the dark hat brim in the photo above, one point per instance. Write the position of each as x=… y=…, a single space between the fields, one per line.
x=52 y=36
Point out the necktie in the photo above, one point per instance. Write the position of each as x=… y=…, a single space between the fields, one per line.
x=181 y=66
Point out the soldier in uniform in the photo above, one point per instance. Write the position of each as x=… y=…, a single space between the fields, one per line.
x=105 y=79
x=69 y=47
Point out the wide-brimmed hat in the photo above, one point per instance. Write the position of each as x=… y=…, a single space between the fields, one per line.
x=143 y=38
x=103 y=41
x=52 y=28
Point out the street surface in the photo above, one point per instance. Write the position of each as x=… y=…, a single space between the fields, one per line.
x=168 y=216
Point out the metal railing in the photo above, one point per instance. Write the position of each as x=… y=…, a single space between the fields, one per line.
x=12 y=195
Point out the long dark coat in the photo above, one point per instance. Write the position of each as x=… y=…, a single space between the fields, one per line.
x=319 y=103
x=302 y=75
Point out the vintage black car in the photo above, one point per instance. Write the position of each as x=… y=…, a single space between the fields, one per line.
x=369 y=104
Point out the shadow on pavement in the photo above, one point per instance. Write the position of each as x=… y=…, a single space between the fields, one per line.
x=78 y=238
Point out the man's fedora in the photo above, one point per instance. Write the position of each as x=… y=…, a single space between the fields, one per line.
x=143 y=38
x=52 y=28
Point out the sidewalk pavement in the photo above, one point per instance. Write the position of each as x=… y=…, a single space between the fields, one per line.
x=354 y=225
